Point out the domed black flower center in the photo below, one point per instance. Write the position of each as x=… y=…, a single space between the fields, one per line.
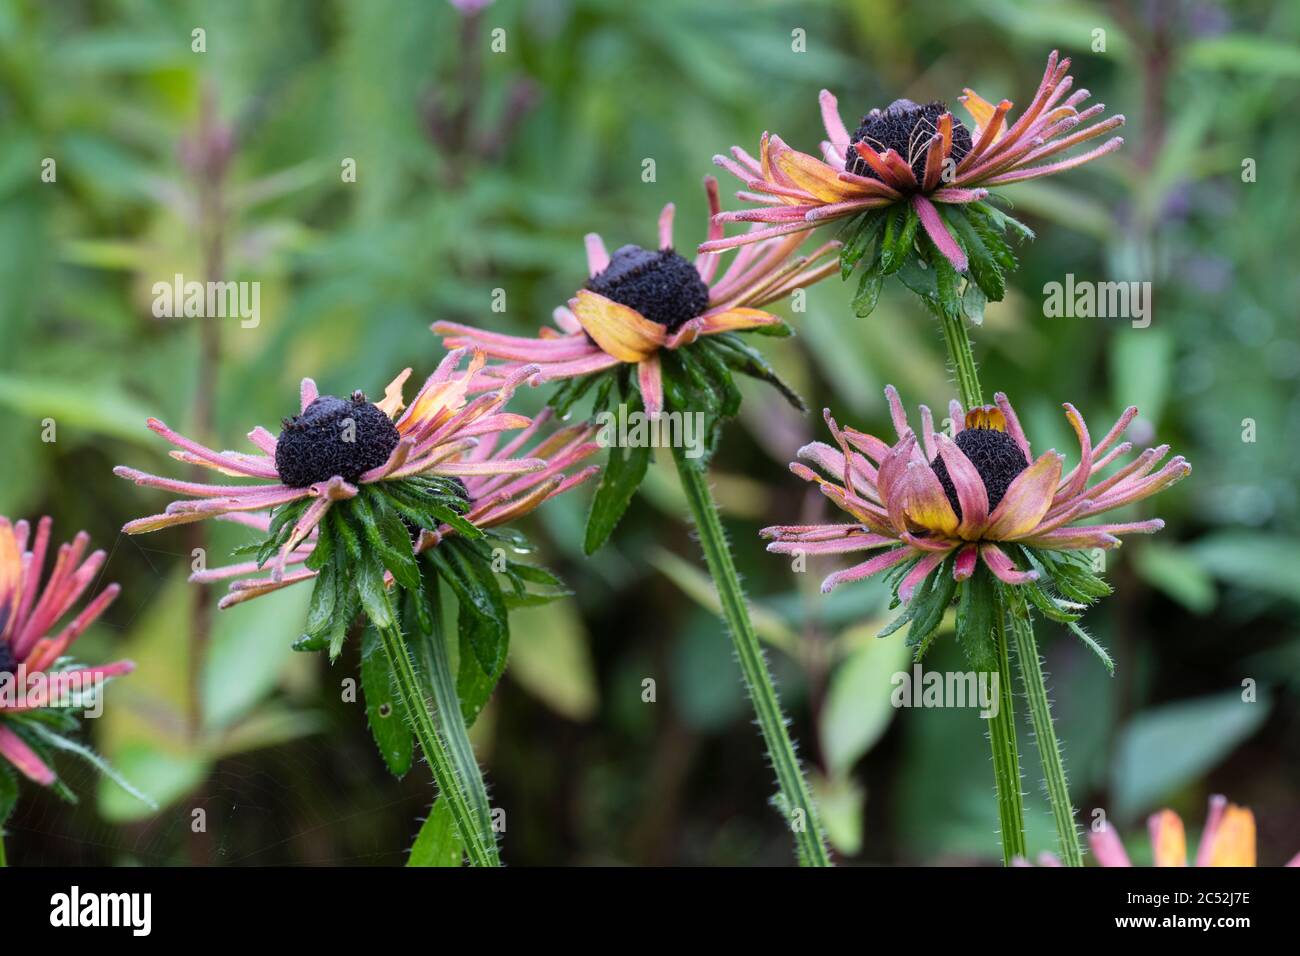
x=661 y=285
x=906 y=128
x=8 y=662
x=334 y=436
x=996 y=457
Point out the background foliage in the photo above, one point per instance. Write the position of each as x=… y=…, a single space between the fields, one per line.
x=479 y=171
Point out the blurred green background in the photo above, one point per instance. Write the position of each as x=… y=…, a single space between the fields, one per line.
x=481 y=170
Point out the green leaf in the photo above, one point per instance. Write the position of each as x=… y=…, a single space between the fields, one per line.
x=1141 y=367
x=924 y=612
x=340 y=524
x=973 y=301
x=1093 y=646
x=535 y=574
x=1175 y=571
x=323 y=553
x=383 y=710
x=78 y=406
x=894 y=217
x=947 y=282
x=984 y=267
x=840 y=803
x=749 y=361
x=474 y=685
x=550 y=658
x=393 y=542
x=1164 y=748
x=858 y=710
x=977 y=619
x=930 y=607
x=571 y=391
x=868 y=294
x=1072 y=579
x=483 y=619
x=716 y=368
x=688 y=387
x=857 y=236
x=374 y=596
x=917 y=275
x=622 y=476
x=894 y=253
x=1051 y=608
x=59 y=742
x=324 y=601
x=998 y=221
x=438 y=842
x=1259 y=561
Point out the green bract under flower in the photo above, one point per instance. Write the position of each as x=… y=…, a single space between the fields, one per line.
x=886 y=242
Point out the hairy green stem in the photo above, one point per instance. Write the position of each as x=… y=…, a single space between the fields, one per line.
x=1006 y=756
x=4 y=860
x=1002 y=727
x=1021 y=629
x=962 y=355
x=451 y=722
x=480 y=847
x=796 y=799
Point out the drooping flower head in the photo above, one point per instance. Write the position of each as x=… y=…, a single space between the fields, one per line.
x=490 y=501
x=653 y=333
x=345 y=483
x=912 y=156
x=651 y=308
x=364 y=491
x=1227 y=840
x=938 y=507
x=42 y=686
x=336 y=446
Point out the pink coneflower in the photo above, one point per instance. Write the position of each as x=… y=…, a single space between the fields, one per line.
x=493 y=499
x=334 y=446
x=1227 y=840
x=639 y=304
x=915 y=154
x=970 y=498
x=31 y=650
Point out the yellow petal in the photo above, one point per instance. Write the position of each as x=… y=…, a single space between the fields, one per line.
x=980 y=109
x=1234 y=843
x=986 y=416
x=926 y=504
x=11 y=575
x=1027 y=500
x=392 y=403
x=619 y=331
x=1168 y=840
x=814 y=176
x=736 y=320
x=439 y=402
x=983 y=112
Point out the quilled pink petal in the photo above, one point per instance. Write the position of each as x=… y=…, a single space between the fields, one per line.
x=996 y=560
x=859 y=572
x=912 y=580
x=938 y=232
